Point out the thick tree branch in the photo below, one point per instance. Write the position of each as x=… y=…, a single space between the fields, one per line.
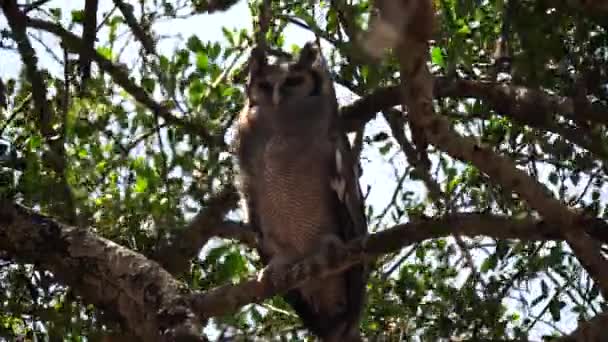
x=365 y=108
x=229 y=298
x=176 y=255
x=137 y=291
x=144 y=296
x=121 y=77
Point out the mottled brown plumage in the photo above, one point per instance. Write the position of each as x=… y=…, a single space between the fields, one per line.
x=301 y=185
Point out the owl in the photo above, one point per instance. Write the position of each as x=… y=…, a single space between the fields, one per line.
x=300 y=184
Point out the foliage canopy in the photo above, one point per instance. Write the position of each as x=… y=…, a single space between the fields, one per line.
x=112 y=131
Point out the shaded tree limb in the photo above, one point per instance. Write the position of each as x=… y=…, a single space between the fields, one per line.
x=120 y=75
x=16 y=21
x=175 y=255
x=362 y=110
x=417 y=95
x=33 y=5
x=137 y=292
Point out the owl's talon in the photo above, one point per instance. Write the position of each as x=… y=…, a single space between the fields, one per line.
x=332 y=247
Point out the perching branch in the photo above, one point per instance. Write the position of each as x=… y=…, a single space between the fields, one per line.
x=227 y=299
x=211 y=6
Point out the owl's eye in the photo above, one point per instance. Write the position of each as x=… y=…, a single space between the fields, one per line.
x=265 y=86
x=294 y=81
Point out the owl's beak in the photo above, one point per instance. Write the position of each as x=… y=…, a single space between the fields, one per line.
x=276 y=96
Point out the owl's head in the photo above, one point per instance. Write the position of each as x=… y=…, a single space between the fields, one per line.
x=272 y=84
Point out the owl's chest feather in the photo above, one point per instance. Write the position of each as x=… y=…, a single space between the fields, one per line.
x=294 y=194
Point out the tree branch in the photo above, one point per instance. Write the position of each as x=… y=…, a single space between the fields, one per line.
x=135 y=290
x=229 y=298
x=358 y=113
x=211 y=6
x=151 y=303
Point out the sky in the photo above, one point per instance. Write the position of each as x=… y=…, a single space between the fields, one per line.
x=378 y=173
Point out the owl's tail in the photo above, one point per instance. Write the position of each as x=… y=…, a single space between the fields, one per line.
x=340 y=327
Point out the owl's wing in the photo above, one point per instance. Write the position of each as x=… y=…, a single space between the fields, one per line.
x=348 y=199
x=350 y=210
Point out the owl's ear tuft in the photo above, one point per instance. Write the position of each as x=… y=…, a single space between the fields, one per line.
x=257 y=60
x=309 y=55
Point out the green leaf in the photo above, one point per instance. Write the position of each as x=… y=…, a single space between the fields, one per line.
x=56 y=13
x=555 y=308
x=229 y=35
x=595 y=292
x=83 y=153
x=141 y=184
x=202 y=61
x=106 y=52
x=148 y=84
x=34 y=142
x=489 y=263
x=194 y=44
x=386 y=148
x=553 y=178
x=437 y=57
x=78 y=16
